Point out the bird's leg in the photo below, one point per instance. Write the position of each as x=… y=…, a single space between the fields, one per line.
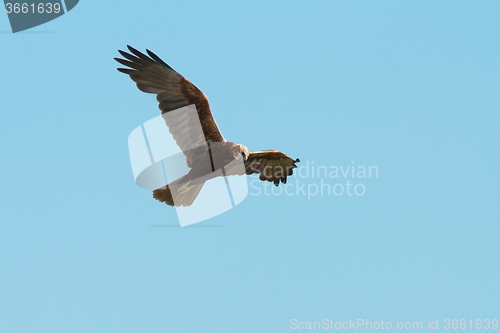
x=184 y=188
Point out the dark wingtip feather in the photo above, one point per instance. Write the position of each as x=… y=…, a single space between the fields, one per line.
x=133 y=58
x=129 y=63
x=126 y=70
x=133 y=50
x=157 y=59
x=138 y=53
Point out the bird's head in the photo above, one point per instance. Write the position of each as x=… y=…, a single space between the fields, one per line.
x=243 y=150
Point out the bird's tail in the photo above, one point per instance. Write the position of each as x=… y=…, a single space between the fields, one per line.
x=178 y=193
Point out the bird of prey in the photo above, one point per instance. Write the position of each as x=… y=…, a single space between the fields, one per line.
x=205 y=150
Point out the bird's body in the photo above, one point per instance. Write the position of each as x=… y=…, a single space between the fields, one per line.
x=208 y=154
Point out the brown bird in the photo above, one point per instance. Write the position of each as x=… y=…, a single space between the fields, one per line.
x=206 y=151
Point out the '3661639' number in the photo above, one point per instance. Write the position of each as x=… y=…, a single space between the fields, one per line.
x=25 y=8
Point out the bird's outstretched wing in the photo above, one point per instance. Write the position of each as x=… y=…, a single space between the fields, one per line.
x=173 y=91
x=272 y=165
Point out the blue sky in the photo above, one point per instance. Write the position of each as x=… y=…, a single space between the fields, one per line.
x=409 y=87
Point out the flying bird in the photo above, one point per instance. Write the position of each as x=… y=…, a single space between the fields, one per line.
x=206 y=150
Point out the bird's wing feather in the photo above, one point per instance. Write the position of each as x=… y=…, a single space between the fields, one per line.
x=173 y=91
x=272 y=165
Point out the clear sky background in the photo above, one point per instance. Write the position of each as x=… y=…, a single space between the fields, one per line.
x=410 y=87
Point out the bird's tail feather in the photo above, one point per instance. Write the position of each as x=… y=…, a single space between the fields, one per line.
x=178 y=193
